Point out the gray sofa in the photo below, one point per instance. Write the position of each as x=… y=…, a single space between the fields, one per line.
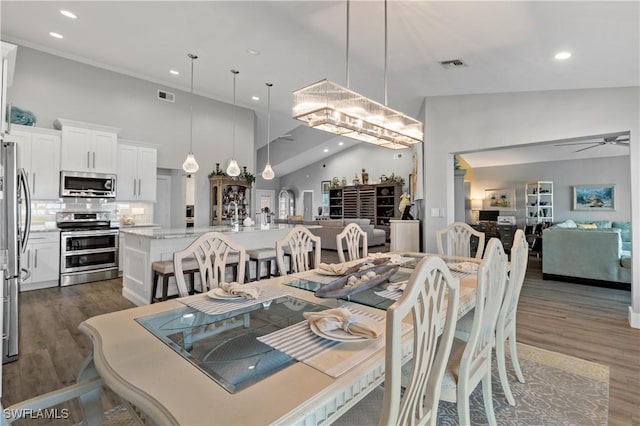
x=600 y=254
x=331 y=228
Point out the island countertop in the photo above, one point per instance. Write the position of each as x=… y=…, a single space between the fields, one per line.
x=143 y=246
x=164 y=233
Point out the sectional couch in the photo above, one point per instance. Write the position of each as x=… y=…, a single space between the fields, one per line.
x=587 y=251
x=332 y=227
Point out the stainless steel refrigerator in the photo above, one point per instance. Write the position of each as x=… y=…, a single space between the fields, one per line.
x=15 y=221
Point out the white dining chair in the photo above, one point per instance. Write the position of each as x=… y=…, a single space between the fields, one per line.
x=430 y=288
x=353 y=236
x=455 y=240
x=214 y=252
x=297 y=244
x=506 y=326
x=470 y=362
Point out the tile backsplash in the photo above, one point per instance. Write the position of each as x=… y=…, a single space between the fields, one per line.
x=43 y=212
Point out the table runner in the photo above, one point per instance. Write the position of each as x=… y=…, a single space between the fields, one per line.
x=211 y=306
x=330 y=357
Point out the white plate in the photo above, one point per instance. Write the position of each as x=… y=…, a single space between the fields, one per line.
x=218 y=293
x=339 y=335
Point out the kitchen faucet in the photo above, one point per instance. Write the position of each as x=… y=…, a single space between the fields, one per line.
x=234 y=219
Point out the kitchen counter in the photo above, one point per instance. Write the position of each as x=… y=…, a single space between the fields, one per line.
x=196 y=232
x=143 y=246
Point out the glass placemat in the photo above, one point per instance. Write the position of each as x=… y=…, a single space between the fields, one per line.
x=225 y=346
x=366 y=297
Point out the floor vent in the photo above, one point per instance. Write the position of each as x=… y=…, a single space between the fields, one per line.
x=166 y=96
x=453 y=63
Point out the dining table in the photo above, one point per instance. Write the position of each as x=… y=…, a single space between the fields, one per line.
x=219 y=359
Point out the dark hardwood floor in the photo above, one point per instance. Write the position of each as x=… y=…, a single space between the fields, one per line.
x=578 y=320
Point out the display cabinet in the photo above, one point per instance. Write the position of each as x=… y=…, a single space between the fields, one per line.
x=227 y=195
x=335 y=203
x=539 y=202
x=378 y=202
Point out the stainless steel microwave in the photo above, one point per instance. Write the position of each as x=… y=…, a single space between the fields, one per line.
x=87 y=185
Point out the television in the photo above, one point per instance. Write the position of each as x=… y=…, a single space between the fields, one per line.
x=489 y=215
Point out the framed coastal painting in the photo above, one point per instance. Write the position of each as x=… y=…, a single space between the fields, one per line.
x=594 y=197
x=500 y=199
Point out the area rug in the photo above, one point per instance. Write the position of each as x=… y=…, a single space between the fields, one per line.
x=558 y=390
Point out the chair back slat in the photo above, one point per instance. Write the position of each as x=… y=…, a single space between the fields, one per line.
x=212 y=251
x=519 y=260
x=299 y=242
x=492 y=274
x=431 y=287
x=354 y=238
x=455 y=240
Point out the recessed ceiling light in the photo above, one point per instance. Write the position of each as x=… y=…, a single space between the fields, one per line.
x=255 y=98
x=55 y=35
x=326 y=150
x=68 y=14
x=253 y=51
x=562 y=55
x=340 y=143
x=174 y=72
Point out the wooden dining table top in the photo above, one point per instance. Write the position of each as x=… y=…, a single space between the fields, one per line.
x=157 y=379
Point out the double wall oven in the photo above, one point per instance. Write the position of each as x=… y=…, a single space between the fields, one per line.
x=88 y=247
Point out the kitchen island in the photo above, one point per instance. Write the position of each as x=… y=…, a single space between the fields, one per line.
x=143 y=246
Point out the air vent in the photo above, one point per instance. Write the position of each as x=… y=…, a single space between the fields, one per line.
x=453 y=63
x=166 y=96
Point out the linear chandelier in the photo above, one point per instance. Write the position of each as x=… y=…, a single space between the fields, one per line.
x=336 y=109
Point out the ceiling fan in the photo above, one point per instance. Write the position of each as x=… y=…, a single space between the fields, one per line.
x=607 y=140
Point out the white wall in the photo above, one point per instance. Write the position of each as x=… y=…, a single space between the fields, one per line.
x=51 y=87
x=468 y=122
x=563 y=174
x=348 y=163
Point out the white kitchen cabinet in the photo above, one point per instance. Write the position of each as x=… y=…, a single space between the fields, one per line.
x=405 y=235
x=7 y=66
x=88 y=147
x=42 y=259
x=39 y=155
x=136 y=173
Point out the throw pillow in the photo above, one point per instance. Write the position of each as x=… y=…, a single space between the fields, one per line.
x=603 y=224
x=587 y=226
x=566 y=224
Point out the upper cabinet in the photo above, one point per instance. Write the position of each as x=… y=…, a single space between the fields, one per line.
x=88 y=147
x=39 y=156
x=136 y=172
x=6 y=76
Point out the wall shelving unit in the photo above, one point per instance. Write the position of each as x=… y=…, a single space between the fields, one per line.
x=539 y=202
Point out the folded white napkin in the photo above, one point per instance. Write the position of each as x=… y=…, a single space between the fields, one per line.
x=399 y=286
x=236 y=289
x=464 y=266
x=341 y=318
x=334 y=268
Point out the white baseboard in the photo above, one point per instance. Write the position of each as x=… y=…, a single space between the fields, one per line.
x=634 y=318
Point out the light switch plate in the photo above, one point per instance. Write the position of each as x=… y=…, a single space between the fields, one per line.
x=435 y=212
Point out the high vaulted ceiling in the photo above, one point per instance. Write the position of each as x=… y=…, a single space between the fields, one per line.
x=507 y=46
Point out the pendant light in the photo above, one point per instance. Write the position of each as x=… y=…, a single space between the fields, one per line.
x=190 y=165
x=233 y=169
x=268 y=173
x=330 y=107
